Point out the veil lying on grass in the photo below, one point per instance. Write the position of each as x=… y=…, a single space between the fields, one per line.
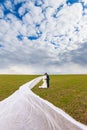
x=24 y=110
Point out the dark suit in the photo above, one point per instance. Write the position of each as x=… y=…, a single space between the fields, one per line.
x=48 y=78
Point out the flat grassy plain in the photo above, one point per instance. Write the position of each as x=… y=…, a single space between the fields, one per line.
x=68 y=92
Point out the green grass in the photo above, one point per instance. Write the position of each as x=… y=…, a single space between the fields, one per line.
x=10 y=83
x=68 y=92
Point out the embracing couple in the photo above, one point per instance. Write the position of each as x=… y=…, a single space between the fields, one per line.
x=46 y=83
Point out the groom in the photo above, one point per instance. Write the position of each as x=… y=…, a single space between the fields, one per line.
x=47 y=79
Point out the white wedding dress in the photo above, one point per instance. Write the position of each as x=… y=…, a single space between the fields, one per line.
x=44 y=85
x=24 y=110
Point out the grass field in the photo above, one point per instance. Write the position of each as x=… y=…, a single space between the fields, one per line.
x=68 y=92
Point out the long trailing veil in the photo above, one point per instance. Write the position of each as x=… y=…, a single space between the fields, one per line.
x=24 y=110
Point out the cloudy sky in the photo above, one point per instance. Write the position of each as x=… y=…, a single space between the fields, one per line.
x=38 y=36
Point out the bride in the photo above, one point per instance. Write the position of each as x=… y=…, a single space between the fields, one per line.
x=44 y=85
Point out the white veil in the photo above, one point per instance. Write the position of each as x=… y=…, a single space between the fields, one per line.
x=24 y=110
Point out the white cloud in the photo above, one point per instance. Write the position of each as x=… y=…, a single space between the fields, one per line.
x=1 y=12
x=8 y=5
x=57 y=33
x=71 y=68
x=85 y=1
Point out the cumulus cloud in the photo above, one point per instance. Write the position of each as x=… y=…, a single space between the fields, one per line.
x=39 y=36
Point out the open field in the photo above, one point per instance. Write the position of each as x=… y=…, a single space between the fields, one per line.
x=68 y=92
x=10 y=83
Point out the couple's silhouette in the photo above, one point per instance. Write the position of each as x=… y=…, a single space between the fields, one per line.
x=46 y=81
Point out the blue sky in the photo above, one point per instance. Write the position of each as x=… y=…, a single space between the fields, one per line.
x=38 y=36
